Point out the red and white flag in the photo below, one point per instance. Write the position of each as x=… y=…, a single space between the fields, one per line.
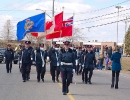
x=54 y=27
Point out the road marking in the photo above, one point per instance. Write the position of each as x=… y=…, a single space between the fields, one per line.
x=68 y=94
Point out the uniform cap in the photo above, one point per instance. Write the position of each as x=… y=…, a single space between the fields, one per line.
x=27 y=42
x=66 y=43
x=54 y=42
x=89 y=46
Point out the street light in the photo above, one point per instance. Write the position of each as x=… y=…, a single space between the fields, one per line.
x=118 y=7
x=44 y=12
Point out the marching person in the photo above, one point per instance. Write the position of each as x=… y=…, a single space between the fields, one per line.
x=90 y=62
x=67 y=62
x=50 y=52
x=83 y=54
x=27 y=58
x=40 y=58
x=116 y=67
x=20 y=56
x=9 y=56
x=54 y=63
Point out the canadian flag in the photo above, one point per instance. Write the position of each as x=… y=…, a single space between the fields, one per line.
x=54 y=27
x=38 y=34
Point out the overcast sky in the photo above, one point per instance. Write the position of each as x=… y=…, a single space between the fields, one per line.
x=17 y=10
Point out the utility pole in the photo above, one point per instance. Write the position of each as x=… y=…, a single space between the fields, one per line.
x=118 y=7
x=53 y=7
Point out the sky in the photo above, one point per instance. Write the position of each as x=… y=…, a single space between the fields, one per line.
x=17 y=10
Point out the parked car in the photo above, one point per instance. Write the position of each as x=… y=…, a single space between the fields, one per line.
x=2 y=51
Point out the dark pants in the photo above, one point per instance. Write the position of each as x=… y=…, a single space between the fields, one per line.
x=40 y=72
x=26 y=70
x=83 y=75
x=66 y=78
x=115 y=74
x=77 y=69
x=55 y=70
x=90 y=70
x=8 y=66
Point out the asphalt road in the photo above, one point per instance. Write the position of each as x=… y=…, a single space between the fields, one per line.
x=12 y=87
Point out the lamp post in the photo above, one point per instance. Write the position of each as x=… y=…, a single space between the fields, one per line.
x=44 y=12
x=118 y=7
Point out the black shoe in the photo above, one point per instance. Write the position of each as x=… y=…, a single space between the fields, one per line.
x=53 y=81
x=10 y=71
x=24 y=80
x=42 y=80
x=64 y=93
x=57 y=80
x=116 y=87
x=85 y=82
x=7 y=72
x=112 y=86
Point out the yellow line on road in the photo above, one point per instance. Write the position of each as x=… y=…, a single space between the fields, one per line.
x=69 y=95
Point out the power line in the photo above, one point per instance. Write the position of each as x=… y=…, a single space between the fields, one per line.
x=23 y=6
x=11 y=4
x=102 y=15
x=104 y=7
x=102 y=19
x=103 y=24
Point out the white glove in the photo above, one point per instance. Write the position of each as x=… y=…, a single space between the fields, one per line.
x=83 y=65
x=33 y=62
x=20 y=62
x=76 y=62
x=73 y=70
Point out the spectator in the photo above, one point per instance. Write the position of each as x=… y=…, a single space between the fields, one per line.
x=100 y=62
x=116 y=67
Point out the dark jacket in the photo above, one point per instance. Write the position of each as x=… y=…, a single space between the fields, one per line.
x=54 y=57
x=67 y=57
x=116 y=64
x=27 y=55
x=38 y=57
x=9 y=55
x=90 y=60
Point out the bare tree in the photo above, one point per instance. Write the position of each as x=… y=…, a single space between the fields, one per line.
x=77 y=36
x=8 y=32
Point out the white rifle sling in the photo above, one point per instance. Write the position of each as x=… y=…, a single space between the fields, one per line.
x=43 y=63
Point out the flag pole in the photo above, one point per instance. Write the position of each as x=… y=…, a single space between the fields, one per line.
x=73 y=29
x=62 y=25
x=45 y=29
x=53 y=7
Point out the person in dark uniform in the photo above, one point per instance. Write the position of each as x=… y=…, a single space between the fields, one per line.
x=50 y=52
x=40 y=59
x=27 y=58
x=78 y=61
x=54 y=63
x=20 y=56
x=67 y=62
x=9 y=56
x=89 y=64
x=83 y=54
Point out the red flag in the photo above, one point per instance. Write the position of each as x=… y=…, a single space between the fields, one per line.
x=67 y=27
x=55 y=28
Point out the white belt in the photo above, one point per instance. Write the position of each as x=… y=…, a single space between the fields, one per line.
x=63 y=63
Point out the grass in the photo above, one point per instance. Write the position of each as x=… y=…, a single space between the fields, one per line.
x=125 y=61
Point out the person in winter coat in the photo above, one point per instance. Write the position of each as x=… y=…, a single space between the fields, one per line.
x=89 y=64
x=40 y=59
x=100 y=62
x=9 y=56
x=116 y=67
